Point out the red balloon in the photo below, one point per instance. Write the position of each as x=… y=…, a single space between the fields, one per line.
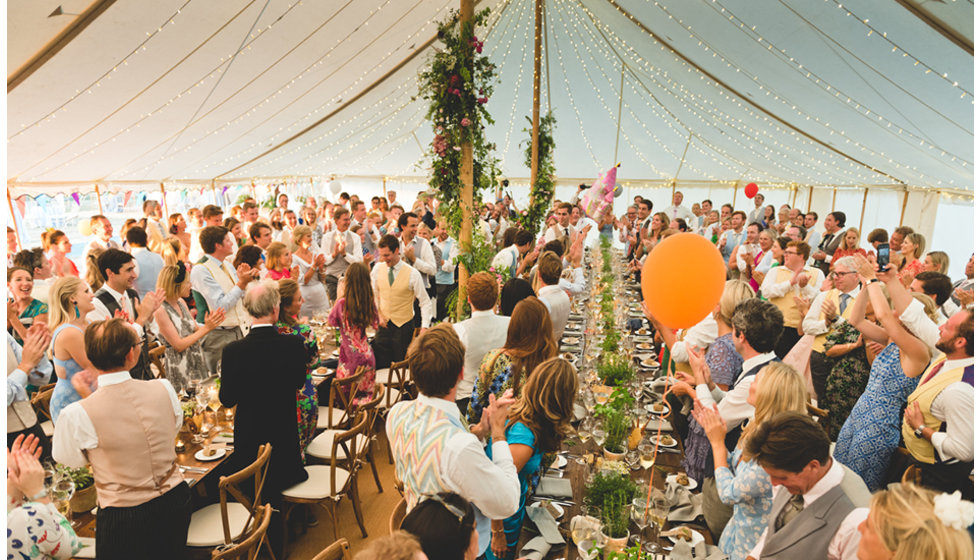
x=683 y=278
x=751 y=190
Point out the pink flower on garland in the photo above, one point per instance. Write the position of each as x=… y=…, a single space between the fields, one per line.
x=465 y=122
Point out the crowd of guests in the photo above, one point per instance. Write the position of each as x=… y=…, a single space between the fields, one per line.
x=809 y=323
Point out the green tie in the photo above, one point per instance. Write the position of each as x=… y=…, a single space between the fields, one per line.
x=391 y=276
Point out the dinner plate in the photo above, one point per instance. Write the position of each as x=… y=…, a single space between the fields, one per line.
x=572 y=340
x=218 y=453
x=644 y=346
x=559 y=463
x=691 y=483
x=673 y=441
x=642 y=332
x=650 y=408
x=558 y=508
x=697 y=537
x=650 y=363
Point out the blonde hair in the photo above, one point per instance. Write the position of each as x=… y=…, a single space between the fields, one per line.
x=170 y=250
x=61 y=309
x=857 y=241
x=167 y=281
x=919 y=241
x=905 y=521
x=400 y=545
x=781 y=390
x=929 y=306
x=735 y=292
x=299 y=232
x=273 y=253
x=940 y=259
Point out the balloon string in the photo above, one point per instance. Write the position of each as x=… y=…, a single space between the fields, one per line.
x=660 y=420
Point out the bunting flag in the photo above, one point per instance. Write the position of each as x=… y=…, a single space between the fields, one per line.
x=22 y=205
x=126 y=198
x=599 y=197
x=77 y=198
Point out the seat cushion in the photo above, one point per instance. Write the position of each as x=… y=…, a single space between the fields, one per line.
x=322 y=445
x=206 y=529
x=317 y=486
x=330 y=417
x=48 y=428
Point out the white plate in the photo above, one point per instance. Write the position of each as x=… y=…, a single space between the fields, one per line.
x=691 y=483
x=218 y=453
x=644 y=346
x=572 y=340
x=561 y=510
x=673 y=441
x=697 y=538
x=650 y=363
x=649 y=408
x=642 y=332
x=559 y=463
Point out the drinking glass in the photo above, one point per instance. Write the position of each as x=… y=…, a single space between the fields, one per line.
x=61 y=494
x=646 y=455
x=633 y=460
x=640 y=514
x=599 y=435
x=658 y=517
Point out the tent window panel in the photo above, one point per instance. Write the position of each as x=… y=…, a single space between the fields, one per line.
x=883 y=210
x=953 y=234
x=822 y=203
x=849 y=202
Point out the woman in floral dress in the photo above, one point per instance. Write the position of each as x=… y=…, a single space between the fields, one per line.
x=742 y=482
x=353 y=314
x=848 y=376
x=307 y=403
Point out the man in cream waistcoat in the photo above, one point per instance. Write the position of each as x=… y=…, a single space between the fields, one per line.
x=784 y=284
x=126 y=431
x=397 y=286
x=221 y=286
x=819 y=503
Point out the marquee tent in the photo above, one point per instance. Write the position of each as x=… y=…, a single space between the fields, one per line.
x=820 y=102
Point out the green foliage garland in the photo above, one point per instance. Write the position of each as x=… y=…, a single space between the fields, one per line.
x=457 y=99
x=543 y=189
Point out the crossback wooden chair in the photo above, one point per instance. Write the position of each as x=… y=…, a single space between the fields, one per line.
x=250 y=545
x=340 y=406
x=41 y=401
x=397 y=515
x=339 y=550
x=156 y=360
x=225 y=522
x=322 y=445
x=326 y=485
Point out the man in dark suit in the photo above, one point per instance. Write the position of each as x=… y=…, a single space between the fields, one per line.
x=261 y=374
x=833 y=226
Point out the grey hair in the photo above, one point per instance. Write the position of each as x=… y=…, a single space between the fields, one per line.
x=261 y=298
x=850 y=263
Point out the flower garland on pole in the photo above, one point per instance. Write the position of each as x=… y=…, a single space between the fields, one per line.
x=457 y=109
x=543 y=189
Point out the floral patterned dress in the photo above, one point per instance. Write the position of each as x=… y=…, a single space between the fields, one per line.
x=307 y=403
x=36 y=530
x=494 y=377
x=847 y=378
x=355 y=351
x=724 y=363
x=745 y=486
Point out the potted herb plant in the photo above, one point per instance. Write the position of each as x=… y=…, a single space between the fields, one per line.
x=616 y=422
x=610 y=492
x=614 y=369
x=84 y=498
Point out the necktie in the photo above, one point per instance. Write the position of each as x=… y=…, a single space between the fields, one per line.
x=566 y=232
x=826 y=239
x=843 y=302
x=934 y=371
x=391 y=276
x=792 y=508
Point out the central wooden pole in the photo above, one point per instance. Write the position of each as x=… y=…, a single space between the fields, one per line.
x=465 y=170
x=536 y=96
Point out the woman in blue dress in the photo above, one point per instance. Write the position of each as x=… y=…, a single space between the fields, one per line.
x=871 y=433
x=537 y=425
x=71 y=299
x=743 y=483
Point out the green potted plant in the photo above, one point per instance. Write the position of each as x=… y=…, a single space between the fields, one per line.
x=616 y=422
x=614 y=369
x=84 y=498
x=610 y=492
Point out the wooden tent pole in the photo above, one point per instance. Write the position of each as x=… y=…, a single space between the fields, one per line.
x=795 y=188
x=864 y=203
x=13 y=218
x=905 y=201
x=619 y=116
x=214 y=191
x=98 y=197
x=536 y=96
x=809 y=200
x=384 y=187
x=163 y=200
x=833 y=201
x=466 y=175
x=734 y=195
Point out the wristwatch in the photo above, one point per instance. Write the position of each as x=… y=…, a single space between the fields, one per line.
x=918 y=431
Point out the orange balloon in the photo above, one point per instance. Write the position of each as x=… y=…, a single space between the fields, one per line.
x=682 y=280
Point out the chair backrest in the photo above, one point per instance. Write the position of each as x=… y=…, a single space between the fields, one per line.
x=346 y=442
x=156 y=359
x=229 y=485
x=342 y=392
x=249 y=546
x=400 y=380
x=397 y=515
x=339 y=550
x=41 y=401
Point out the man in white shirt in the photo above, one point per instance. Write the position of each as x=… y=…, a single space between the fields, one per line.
x=446 y=275
x=784 y=284
x=833 y=233
x=756 y=327
x=818 y=502
x=433 y=448
x=483 y=332
x=755 y=215
x=677 y=210
x=563 y=230
x=417 y=252
x=398 y=289
x=938 y=287
x=732 y=238
x=27 y=364
x=290 y=221
x=813 y=237
x=550 y=293
x=101 y=238
x=963 y=288
x=511 y=258
x=746 y=252
x=156 y=232
x=213 y=217
x=218 y=285
x=341 y=248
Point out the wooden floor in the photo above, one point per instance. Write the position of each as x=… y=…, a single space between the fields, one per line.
x=376 y=508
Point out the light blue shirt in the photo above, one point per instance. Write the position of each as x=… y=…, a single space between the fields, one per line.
x=207 y=286
x=447 y=247
x=148 y=267
x=17 y=380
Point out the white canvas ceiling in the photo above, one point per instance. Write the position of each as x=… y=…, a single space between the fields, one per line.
x=851 y=93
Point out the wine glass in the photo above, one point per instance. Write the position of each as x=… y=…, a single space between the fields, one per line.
x=640 y=514
x=658 y=517
x=633 y=459
x=646 y=455
x=599 y=435
x=61 y=493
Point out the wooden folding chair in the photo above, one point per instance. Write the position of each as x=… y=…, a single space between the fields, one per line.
x=397 y=515
x=156 y=360
x=322 y=445
x=339 y=550
x=41 y=401
x=250 y=545
x=340 y=406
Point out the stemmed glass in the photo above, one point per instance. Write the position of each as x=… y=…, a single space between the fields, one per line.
x=61 y=493
x=658 y=517
x=599 y=436
x=640 y=514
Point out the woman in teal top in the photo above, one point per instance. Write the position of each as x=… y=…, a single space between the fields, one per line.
x=538 y=422
x=24 y=309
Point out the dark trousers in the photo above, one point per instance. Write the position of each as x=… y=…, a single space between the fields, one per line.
x=45 y=443
x=442 y=294
x=787 y=341
x=391 y=343
x=330 y=281
x=819 y=369
x=948 y=478
x=154 y=530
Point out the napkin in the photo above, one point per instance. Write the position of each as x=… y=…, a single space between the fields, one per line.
x=535 y=549
x=88 y=548
x=664 y=425
x=684 y=506
x=554 y=487
x=578 y=412
x=701 y=551
x=546 y=524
